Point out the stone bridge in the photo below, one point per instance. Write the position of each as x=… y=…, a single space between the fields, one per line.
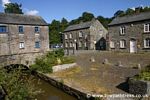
x=24 y=58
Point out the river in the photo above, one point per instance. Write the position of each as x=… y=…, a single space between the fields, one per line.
x=50 y=92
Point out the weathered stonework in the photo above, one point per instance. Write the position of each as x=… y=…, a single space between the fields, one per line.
x=134 y=30
x=93 y=36
x=10 y=40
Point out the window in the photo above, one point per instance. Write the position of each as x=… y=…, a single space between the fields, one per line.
x=80 y=34
x=36 y=29
x=122 y=30
x=122 y=43
x=85 y=36
x=37 y=44
x=85 y=44
x=146 y=27
x=21 y=45
x=70 y=36
x=147 y=43
x=71 y=44
x=66 y=36
x=66 y=44
x=80 y=44
x=3 y=29
x=20 y=29
x=112 y=44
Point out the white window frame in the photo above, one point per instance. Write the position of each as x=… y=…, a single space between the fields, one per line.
x=147 y=43
x=21 y=45
x=146 y=28
x=122 y=30
x=71 y=44
x=70 y=36
x=112 y=44
x=122 y=43
x=66 y=36
x=80 y=44
x=85 y=44
x=80 y=34
x=66 y=44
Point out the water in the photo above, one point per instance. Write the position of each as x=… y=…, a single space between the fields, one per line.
x=50 y=92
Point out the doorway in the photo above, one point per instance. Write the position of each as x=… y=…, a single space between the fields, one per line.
x=133 y=46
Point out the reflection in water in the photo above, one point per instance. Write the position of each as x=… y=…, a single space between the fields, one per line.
x=50 y=92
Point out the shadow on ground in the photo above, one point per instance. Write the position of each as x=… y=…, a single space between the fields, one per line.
x=124 y=85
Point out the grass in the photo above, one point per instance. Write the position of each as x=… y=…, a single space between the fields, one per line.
x=144 y=74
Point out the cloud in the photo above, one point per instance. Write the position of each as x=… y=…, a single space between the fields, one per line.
x=31 y=12
x=133 y=8
x=5 y=2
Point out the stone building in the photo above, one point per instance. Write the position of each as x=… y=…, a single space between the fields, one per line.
x=23 y=34
x=130 y=33
x=85 y=36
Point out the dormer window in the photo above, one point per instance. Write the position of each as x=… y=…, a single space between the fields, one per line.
x=122 y=30
x=146 y=28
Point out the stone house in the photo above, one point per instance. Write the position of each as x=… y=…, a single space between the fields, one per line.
x=23 y=34
x=89 y=35
x=130 y=33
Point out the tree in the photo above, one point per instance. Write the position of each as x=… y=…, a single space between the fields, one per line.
x=13 y=8
x=119 y=13
x=54 y=32
x=129 y=11
x=64 y=24
x=104 y=21
x=87 y=16
x=138 y=9
x=146 y=9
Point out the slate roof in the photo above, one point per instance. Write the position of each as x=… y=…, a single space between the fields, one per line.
x=131 y=18
x=21 y=19
x=79 y=26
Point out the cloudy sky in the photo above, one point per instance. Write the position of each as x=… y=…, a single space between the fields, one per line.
x=71 y=9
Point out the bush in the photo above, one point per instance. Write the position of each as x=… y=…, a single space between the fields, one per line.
x=45 y=63
x=17 y=85
x=144 y=74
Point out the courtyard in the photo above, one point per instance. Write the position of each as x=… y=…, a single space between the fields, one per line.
x=99 y=78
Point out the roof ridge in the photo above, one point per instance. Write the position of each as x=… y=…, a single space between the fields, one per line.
x=131 y=18
x=21 y=19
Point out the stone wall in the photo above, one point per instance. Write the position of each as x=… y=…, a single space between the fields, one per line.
x=132 y=31
x=139 y=87
x=98 y=31
x=9 y=42
x=90 y=35
x=75 y=36
x=24 y=58
x=63 y=67
x=80 y=95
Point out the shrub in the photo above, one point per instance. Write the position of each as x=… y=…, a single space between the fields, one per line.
x=17 y=85
x=144 y=74
x=45 y=63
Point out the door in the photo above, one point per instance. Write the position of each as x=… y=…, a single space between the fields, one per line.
x=133 y=46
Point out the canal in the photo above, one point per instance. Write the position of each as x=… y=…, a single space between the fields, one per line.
x=50 y=92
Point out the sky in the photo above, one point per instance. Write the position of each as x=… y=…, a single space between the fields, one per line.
x=72 y=9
